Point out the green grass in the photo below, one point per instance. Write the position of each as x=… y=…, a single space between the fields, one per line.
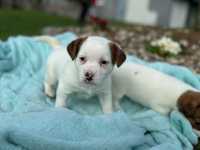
x=15 y=22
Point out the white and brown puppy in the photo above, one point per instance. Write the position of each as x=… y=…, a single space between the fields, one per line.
x=85 y=70
x=156 y=90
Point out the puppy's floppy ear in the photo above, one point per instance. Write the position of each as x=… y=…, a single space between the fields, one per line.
x=74 y=47
x=118 y=56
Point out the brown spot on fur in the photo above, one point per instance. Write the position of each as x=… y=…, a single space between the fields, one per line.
x=118 y=56
x=189 y=105
x=74 y=46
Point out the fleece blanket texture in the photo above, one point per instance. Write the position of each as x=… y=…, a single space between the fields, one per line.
x=29 y=121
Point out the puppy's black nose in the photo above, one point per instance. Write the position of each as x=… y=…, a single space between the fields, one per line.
x=89 y=76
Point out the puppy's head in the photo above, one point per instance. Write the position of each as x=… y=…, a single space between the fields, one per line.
x=94 y=58
x=189 y=105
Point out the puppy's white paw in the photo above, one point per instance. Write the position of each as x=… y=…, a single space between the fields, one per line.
x=107 y=109
x=60 y=103
x=49 y=90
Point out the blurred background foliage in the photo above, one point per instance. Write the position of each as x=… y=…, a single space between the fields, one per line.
x=29 y=22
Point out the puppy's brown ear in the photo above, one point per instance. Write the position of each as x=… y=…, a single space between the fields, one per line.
x=74 y=46
x=118 y=56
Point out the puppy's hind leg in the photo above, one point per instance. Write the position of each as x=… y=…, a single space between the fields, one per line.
x=49 y=90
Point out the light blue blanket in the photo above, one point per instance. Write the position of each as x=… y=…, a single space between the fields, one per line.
x=29 y=121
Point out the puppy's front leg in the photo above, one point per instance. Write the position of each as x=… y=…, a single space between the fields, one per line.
x=106 y=102
x=61 y=101
x=61 y=96
x=50 y=82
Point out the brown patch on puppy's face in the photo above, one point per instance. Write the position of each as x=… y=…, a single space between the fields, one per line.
x=189 y=105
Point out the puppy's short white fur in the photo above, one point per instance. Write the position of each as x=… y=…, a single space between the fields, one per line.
x=148 y=87
x=85 y=70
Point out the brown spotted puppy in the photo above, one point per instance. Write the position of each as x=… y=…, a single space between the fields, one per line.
x=84 y=71
x=155 y=90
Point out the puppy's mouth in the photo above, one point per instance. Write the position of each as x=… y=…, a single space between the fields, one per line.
x=89 y=82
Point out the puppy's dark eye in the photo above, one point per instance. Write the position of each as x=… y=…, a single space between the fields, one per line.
x=103 y=62
x=82 y=59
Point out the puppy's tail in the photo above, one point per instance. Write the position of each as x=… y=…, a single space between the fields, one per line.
x=50 y=40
